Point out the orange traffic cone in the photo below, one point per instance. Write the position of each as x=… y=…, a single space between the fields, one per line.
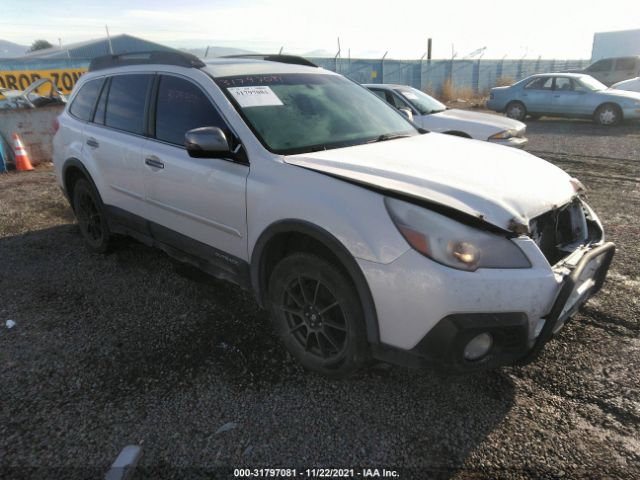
x=23 y=163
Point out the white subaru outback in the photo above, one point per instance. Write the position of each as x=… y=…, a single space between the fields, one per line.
x=364 y=236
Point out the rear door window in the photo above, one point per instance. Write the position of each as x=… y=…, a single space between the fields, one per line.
x=182 y=106
x=85 y=100
x=126 y=102
x=541 y=83
x=564 y=83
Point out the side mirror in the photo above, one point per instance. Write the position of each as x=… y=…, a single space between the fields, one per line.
x=207 y=142
x=407 y=113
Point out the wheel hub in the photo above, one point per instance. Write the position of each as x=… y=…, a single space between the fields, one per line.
x=312 y=317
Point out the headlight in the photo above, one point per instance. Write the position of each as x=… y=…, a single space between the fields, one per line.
x=452 y=243
x=504 y=135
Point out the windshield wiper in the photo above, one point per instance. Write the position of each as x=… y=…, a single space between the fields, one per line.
x=389 y=136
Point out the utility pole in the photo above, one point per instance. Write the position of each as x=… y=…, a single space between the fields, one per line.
x=429 y=43
x=109 y=40
x=206 y=52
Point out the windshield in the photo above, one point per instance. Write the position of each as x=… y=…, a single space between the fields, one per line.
x=297 y=113
x=421 y=101
x=591 y=83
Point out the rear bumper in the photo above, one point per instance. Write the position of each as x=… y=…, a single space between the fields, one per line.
x=513 y=342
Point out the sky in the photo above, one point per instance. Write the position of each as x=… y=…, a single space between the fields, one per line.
x=550 y=29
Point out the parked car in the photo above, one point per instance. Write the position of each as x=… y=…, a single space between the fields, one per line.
x=363 y=235
x=430 y=114
x=631 y=85
x=613 y=70
x=40 y=93
x=565 y=95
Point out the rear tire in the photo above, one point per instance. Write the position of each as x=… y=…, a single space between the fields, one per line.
x=317 y=314
x=608 y=114
x=91 y=217
x=516 y=111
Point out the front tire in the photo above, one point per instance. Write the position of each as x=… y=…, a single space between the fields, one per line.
x=608 y=114
x=92 y=220
x=317 y=314
x=516 y=111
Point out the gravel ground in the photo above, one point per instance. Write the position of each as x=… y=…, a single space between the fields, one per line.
x=132 y=348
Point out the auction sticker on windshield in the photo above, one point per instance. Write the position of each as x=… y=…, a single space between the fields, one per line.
x=254 y=96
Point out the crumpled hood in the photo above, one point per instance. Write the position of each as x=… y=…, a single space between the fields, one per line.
x=489 y=122
x=498 y=184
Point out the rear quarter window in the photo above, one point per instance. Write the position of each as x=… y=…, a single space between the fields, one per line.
x=126 y=102
x=84 y=101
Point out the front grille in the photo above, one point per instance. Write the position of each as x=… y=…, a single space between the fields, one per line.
x=560 y=231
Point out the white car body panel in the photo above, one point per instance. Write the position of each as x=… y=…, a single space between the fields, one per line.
x=526 y=187
x=631 y=85
x=214 y=211
x=478 y=125
x=431 y=291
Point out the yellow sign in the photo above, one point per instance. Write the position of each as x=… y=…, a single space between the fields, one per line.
x=64 y=79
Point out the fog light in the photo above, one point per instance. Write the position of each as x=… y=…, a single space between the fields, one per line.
x=478 y=347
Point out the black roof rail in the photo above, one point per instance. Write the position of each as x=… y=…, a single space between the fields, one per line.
x=293 y=59
x=180 y=59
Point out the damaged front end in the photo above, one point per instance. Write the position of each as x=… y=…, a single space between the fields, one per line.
x=564 y=230
x=571 y=238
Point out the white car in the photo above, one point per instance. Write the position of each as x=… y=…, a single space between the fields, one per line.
x=430 y=114
x=364 y=236
x=632 y=85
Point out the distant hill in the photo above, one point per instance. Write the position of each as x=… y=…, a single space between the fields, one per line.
x=217 y=51
x=11 y=50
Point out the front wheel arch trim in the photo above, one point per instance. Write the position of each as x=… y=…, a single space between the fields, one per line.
x=258 y=258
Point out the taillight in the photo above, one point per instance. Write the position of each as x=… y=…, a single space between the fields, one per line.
x=56 y=125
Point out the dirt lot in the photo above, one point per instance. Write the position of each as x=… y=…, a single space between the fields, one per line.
x=130 y=348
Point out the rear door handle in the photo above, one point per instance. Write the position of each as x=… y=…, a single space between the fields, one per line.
x=93 y=143
x=154 y=162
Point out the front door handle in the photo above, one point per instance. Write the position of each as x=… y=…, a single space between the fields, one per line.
x=93 y=143
x=154 y=162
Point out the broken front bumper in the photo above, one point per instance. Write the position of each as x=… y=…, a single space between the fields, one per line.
x=585 y=280
x=513 y=341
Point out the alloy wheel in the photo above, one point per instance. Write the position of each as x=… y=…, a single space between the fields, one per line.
x=89 y=218
x=315 y=318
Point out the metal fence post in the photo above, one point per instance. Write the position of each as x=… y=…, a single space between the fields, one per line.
x=475 y=76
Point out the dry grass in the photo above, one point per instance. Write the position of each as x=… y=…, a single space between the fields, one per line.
x=450 y=94
x=504 y=82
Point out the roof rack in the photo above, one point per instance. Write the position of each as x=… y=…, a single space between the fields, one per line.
x=293 y=59
x=180 y=59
